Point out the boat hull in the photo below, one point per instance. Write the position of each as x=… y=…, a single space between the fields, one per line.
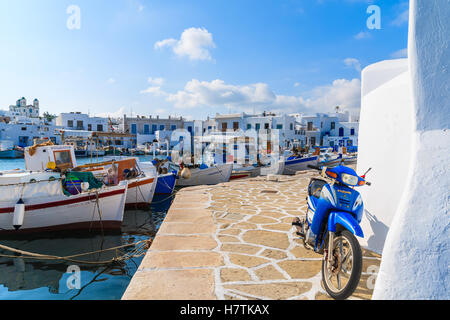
x=140 y=191
x=240 y=175
x=210 y=176
x=165 y=184
x=301 y=164
x=76 y=212
x=11 y=154
x=277 y=168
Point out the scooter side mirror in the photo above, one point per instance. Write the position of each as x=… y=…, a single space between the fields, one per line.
x=364 y=175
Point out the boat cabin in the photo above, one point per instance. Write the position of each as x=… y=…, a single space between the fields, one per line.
x=42 y=157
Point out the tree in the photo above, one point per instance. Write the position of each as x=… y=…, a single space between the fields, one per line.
x=49 y=117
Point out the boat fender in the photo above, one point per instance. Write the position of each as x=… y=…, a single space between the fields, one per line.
x=186 y=173
x=85 y=186
x=19 y=213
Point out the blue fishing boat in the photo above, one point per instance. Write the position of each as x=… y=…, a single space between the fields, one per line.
x=9 y=151
x=330 y=160
x=166 y=183
x=294 y=164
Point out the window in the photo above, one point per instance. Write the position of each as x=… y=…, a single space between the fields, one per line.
x=310 y=126
x=341 y=132
x=257 y=126
x=79 y=124
x=173 y=127
x=162 y=127
x=89 y=127
x=146 y=129
x=154 y=128
x=235 y=126
x=249 y=126
x=100 y=127
x=352 y=131
x=70 y=123
x=133 y=128
x=209 y=128
x=266 y=126
x=279 y=126
x=190 y=129
x=333 y=125
x=224 y=126
x=24 y=128
x=63 y=159
x=292 y=126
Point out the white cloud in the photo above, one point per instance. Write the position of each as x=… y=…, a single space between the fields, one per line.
x=297 y=84
x=141 y=8
x=165 y=43
x=111 y=80
x=402 y=53
x=401 y=19
x=156 y=91
x=217 y=93
x=354 y=63
x=194 y=43
x=156 y=81
x=342 y=92
x=362 y=35
x=115 y=114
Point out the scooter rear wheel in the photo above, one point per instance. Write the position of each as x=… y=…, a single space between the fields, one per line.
x=341 y=278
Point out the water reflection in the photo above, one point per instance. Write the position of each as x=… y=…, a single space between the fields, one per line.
x=22 y=278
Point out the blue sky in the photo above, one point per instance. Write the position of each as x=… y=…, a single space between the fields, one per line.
x=193 y=58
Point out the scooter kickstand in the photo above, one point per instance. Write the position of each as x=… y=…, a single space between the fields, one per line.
x=299 y=225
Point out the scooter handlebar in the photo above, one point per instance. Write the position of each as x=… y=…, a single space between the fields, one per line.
x=368 y=183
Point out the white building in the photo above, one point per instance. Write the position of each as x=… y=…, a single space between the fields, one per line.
x=285 y=124
x=81 y=121
x=22 y=109
x=23 y=132
x=335 y=130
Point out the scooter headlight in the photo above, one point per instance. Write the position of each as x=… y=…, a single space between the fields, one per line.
x=349 y=179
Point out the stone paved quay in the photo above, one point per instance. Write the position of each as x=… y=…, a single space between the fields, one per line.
x=235 y=241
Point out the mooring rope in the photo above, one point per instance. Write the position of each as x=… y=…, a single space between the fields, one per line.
x=140 y=250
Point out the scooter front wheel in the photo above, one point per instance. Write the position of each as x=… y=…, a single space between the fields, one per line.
x=341 y=276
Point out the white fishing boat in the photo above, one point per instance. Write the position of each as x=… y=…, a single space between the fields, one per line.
x=42 y=198
x=206 y=175
x=141 y=177
x=244 y=171
x=275 y=168
x=294 y=164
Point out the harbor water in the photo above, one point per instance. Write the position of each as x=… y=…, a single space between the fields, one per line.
x=33 y=279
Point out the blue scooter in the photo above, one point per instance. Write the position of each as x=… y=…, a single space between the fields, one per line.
x=332 y=221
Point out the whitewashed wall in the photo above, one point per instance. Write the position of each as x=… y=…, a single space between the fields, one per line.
x=386 y=124
x=416 y=255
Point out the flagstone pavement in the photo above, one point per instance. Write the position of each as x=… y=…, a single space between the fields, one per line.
x=235 y=241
